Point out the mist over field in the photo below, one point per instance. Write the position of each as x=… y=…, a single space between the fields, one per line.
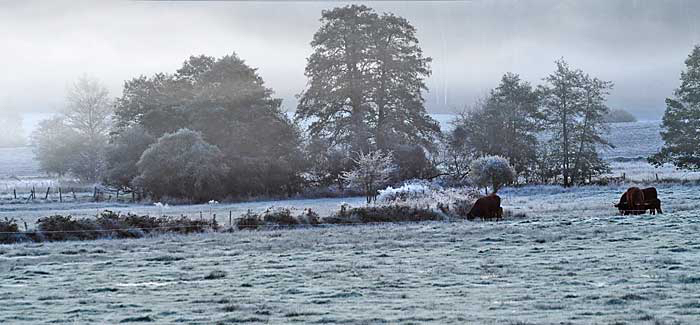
x=637 y=44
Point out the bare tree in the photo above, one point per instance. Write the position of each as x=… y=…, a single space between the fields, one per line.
x=89 y=109
x=76 y=140
x=372 y=170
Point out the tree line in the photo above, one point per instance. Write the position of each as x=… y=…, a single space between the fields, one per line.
x=212 y=129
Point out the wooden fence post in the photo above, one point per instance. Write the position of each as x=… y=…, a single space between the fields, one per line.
x=14 y=191
x=60 y=195
x=46 y=197
x=230 y=219
x=94 y=194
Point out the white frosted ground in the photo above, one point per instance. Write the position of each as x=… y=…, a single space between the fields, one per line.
x=554 y=269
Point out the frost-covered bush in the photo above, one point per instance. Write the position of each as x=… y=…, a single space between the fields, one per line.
x=182 y=165
x=423 y=194
x=10 y=233
x=386 y=213
x=58 y=228
x=277 y=217
x=491 y=170
x=372 y=171
x=408 y=191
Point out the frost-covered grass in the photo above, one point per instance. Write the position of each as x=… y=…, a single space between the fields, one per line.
x=559 y=268
x=642 y=171
x=592 y=201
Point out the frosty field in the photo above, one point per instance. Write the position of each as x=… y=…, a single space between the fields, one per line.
x=538 y=270
x=571 y=260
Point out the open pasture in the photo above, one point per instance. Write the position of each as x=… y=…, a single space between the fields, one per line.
x=563 y=267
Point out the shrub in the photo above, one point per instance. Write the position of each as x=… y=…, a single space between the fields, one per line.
x=58 y=227
x=182 y=165
x=371 y=171
x=10 y=233
x=458 y=209
x=309 y=217
x=389 y=213
x=114 y=225
x=185 y=225
x=491 y=170
x=277 y=217
x=249 y=220
x=404 y=193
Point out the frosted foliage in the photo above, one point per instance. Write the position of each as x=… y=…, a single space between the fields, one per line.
x=404 y=193
x=494 y=171
x=372 y=171
x=423 y=194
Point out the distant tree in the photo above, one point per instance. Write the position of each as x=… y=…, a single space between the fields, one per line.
x=618 y=115
x=123 y=153
x=227 y=101
x=455 y=155
x=55 y=146
x=366 y=78
x=681 y=122
x=491 y=170
x=588 y=132
x=11 y=131
x=574 y=106
x=89 y=109
x=81 y=132
x=372 y=171
x=182 y=165
x=506 y=123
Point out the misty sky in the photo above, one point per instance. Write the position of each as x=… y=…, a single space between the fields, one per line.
x=639 y=45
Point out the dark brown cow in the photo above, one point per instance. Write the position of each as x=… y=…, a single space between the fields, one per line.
x=635 y=200
x=487 y=207
x=651 y=202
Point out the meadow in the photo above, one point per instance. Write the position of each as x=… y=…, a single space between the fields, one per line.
x=568 y=258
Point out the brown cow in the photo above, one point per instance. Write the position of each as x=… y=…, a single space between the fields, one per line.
x=635 y=200
x=651 y=202
x=487 y=207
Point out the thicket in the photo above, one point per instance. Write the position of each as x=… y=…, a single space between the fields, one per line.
x=107 y=224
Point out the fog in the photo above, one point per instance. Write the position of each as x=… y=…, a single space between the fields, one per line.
x=639 y=45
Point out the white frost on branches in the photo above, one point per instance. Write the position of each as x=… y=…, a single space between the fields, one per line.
x=372 y=171
x=491 y=170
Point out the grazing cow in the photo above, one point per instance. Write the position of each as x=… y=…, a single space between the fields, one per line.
x=487 y=207
x=635 y=200
x=653 y=206
x=651 y=202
